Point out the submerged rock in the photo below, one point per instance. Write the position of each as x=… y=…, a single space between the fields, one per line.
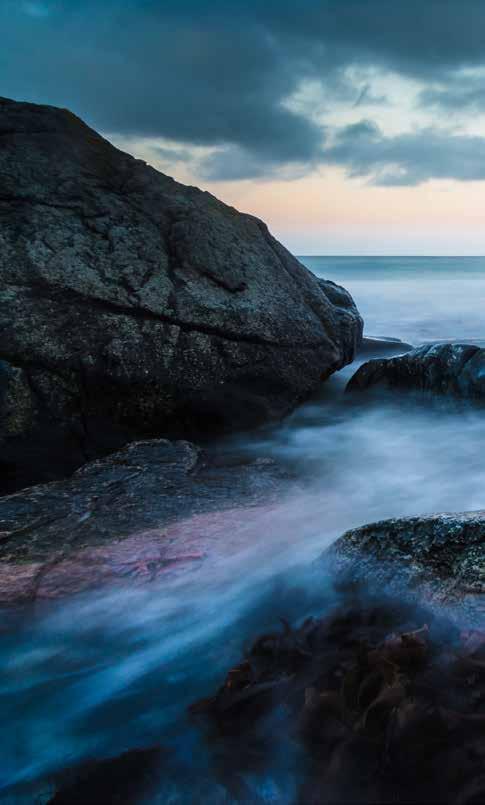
x=454 y=369
x=440 y=557
x=134 y=306
x=154 y=507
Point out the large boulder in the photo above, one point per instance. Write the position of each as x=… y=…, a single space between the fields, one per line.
x=152 y=508
x=440 y=557
x=132 y=305
x=454 y=369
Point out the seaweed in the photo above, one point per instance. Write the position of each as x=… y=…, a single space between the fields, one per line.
x=386 y=702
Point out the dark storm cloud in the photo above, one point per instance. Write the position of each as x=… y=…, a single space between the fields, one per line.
x=147 y=69
x=218 y=73
x=407 y=159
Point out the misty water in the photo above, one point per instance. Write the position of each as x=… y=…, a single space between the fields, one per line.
x=101 y=674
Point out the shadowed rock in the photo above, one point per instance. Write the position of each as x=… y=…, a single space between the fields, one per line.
x=134 y=306
x=123 y=780
x=348 y=317
x=454 y=369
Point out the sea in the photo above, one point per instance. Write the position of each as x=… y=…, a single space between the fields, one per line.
x=96 y=676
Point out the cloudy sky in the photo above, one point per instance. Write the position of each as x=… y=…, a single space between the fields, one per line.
x=350 y=126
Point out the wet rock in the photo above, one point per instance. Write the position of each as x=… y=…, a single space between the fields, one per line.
x=440 y=557
x=454 y=369
x=132 y=306
x=153 y=508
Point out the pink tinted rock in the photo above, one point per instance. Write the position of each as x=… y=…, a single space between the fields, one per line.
x=18 y=582
x=155 y=507
x=139 y=558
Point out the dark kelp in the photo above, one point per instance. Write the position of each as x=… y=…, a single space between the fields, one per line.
x=385 y=701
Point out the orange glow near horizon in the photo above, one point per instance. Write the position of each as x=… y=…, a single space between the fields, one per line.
x=329 y=209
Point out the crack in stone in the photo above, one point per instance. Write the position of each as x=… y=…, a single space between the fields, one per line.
x=71 y=295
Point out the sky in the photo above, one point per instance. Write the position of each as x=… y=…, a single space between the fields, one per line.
x=349 y=126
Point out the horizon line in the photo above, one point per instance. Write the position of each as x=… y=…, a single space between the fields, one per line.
x=429 y=256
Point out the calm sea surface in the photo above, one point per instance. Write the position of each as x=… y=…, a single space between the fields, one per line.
x=97 y=676
x=414 y=298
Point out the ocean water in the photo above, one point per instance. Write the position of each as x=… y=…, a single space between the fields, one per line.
x=417 y=299
x=101 y=674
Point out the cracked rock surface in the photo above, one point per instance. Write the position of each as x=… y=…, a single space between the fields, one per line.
x=134 y=306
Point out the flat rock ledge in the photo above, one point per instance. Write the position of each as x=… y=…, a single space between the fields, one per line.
x=439 y=558
x=457 y=370
x=382 y=345
x=153 y=508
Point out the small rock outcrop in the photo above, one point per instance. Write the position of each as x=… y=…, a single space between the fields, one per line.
x=454 y=369
x=441 y=557
x=132 y=306
x=153 y=507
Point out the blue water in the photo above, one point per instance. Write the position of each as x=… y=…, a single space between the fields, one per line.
x=418 y=299
x=98 y=675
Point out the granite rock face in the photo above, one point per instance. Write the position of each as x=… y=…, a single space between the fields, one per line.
x=440 y=557
x=134 y=306
x=151 y=508
x=454 y=369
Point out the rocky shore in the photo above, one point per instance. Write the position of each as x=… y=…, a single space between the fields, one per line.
x=135 y=311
